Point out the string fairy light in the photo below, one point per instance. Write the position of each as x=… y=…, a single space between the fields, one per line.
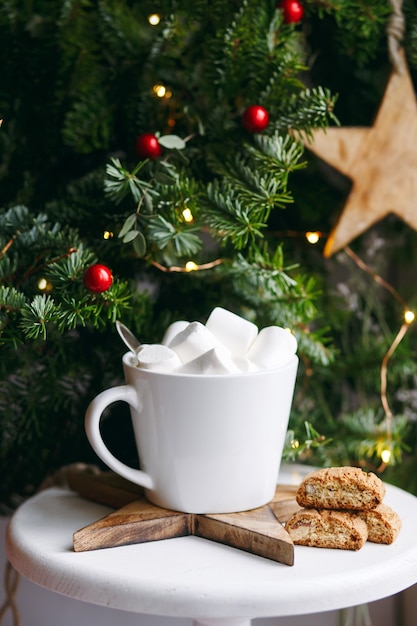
x=386 y=456
x=154 y=19
x=42 y=284
x=159 y=90
x=313 y=237
x=378 y=279
x=189 y=266
x=408 y=318
x=187 y=215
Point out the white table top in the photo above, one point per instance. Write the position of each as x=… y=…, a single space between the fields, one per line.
x=192 y=577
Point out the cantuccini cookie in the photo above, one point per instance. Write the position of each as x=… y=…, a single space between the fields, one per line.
x=383 y=524
x=341 y=488
x=344 y=530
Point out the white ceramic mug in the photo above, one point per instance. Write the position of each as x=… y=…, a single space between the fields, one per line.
x=206 y=444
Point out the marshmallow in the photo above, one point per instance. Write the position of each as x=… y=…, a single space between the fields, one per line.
x=214 y=361
x=233 y=331
x=244 y=365
x=157 y=357
x=193 y=341
x=273 y=347
x=172 y=330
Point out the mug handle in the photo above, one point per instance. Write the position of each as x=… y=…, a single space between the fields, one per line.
x=125 y=393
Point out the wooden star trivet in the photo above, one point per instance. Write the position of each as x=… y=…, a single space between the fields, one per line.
x=381 y=161
x=258 y=531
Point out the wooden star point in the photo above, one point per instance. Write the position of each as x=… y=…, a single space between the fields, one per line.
x=381 y=161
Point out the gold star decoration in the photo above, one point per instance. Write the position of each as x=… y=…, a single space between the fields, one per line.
x=381 y=161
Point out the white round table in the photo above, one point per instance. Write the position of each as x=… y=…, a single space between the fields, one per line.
x=192 y=577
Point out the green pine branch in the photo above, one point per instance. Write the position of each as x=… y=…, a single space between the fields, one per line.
x=279 y=295
x=32 y=249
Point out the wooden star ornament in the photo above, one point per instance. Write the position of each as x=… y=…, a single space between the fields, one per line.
x=381 y=161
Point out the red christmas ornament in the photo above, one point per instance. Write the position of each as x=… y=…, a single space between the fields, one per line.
x=293 y=11
x=147 y=146
x=98 y=278
x=255 y=119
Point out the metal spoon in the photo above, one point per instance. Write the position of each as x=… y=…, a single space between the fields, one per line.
x=128 y=337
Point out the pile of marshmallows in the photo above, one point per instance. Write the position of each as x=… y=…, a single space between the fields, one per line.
x=226 y=344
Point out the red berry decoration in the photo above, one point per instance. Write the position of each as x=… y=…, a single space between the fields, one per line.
x=293 y=11
x=255 y=119
x=98 y=278
x=147 y=146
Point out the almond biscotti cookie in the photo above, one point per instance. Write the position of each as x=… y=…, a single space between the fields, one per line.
x=344 y=530
x=341 y=488
x=383 y=524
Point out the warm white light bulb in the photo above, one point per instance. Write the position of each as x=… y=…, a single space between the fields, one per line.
x=190 y=266
x=154 y=19
x=409 y=316
x=386 y=456
x=44 y=285
x=187 y=215
x=312 y=236
x=159 y=90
